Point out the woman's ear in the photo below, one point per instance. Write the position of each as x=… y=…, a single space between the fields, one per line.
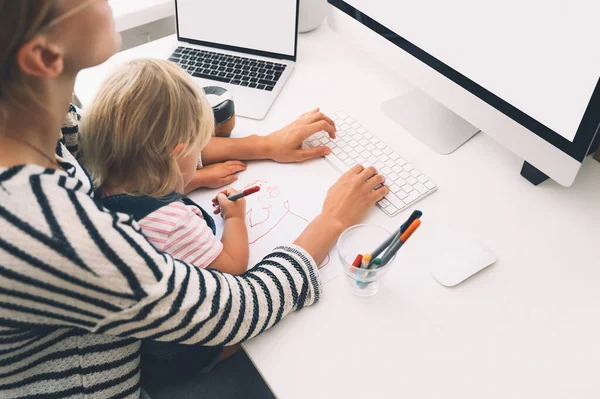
x=178 y=149
x=40 y=59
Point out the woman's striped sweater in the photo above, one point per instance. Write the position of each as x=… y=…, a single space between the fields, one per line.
x=80 y=286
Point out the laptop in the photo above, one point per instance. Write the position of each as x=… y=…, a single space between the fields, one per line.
x=246 y=47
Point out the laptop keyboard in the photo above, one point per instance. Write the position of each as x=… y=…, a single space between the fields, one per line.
x=226 y=68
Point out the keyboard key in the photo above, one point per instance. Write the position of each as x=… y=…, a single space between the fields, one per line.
x=401 y=162
x=356 y=125
x=378 y=165
x=376 y=152
x=384 y=158
x=363 y=142
x=422 y=179
x=397 y=169
x=353 y=154
x=412 y=197
x=269 y=88
x=386 y=171
x=388 y=151
x=360 y=149
x=360 y=160
x=408 y=167
x=336 y=150
x=430 y=185
x=393 y=177
x=372 y=159
x=337 y=162
x=400 y=182
x=373 y=140
x=384 y=203
x=349 y=161
x=411 y=180
x=395 y=201
x=345 y=127
x=390 y=163
x=421 y=188
x=415 y=173
x=217 y=78
x=353 y=143
x=401 y=194
x=343 y=156
x=370 y=147
x=407 y=188
x=267 y=82
x=362 y=130
x=394 y=188
x=391 y=209
x=260 y=87
x=404 y=174
x=381 y=146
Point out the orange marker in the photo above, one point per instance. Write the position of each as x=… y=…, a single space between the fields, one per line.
x=389 y=254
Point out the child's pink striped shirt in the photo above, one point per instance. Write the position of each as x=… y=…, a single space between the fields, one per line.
x=181 y=231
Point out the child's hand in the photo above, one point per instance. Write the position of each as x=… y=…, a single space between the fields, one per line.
x=219 y=174
x=229 y=209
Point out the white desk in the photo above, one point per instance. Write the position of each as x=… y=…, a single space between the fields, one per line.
x=528 y=327
x=133 y=13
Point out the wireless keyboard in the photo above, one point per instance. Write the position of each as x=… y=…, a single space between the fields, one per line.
x=357 y=145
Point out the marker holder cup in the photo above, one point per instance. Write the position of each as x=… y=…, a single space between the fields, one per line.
x=362 y=239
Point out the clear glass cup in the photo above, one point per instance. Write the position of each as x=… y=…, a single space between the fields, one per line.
x=362 y=239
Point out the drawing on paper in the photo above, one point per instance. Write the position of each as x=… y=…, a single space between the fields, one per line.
x=270 y=214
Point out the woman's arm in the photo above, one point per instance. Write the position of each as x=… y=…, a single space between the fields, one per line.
x=284 y=145
x=78 y=265
x=97 y=272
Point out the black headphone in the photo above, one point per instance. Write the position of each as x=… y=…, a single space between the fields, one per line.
x=221 y=102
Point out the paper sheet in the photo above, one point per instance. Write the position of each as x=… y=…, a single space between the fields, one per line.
x=276 y=215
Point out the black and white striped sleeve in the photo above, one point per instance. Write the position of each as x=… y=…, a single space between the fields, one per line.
x=99 y=273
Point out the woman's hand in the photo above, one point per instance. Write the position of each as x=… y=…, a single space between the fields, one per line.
x=229 y=209
x=349 y=199
x=285 y=145
x=346 y=204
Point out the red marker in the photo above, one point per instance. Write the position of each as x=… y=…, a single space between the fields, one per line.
x=242 y=194
x=357 y=261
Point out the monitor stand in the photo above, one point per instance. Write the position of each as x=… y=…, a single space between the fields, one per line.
x=429 y=121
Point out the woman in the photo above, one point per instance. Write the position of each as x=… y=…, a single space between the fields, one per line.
x=80 y=286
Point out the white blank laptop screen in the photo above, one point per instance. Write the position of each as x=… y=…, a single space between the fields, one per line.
x=541 y=56
x=265 y=25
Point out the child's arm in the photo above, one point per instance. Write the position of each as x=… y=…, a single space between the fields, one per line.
x=234 y=257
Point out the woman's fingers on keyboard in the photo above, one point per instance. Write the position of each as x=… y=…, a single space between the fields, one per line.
x=368 y=172
x=379 y=193
x=375 y=181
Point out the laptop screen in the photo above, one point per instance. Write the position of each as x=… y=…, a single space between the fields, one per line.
x=261 y=27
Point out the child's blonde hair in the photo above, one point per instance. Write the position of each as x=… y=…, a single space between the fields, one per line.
x=129 y=134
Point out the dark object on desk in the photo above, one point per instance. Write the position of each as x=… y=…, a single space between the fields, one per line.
x=536 y=177
x=223 y=107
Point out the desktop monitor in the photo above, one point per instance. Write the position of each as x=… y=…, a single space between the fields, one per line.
x=526 y=72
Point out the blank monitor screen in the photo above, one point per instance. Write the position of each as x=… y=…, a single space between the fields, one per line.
x=541 y=56
x=263 y=25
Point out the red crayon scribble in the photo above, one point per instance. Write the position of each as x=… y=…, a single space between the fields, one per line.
x=271 y=193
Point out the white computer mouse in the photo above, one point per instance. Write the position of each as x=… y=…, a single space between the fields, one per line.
x=460 y=258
